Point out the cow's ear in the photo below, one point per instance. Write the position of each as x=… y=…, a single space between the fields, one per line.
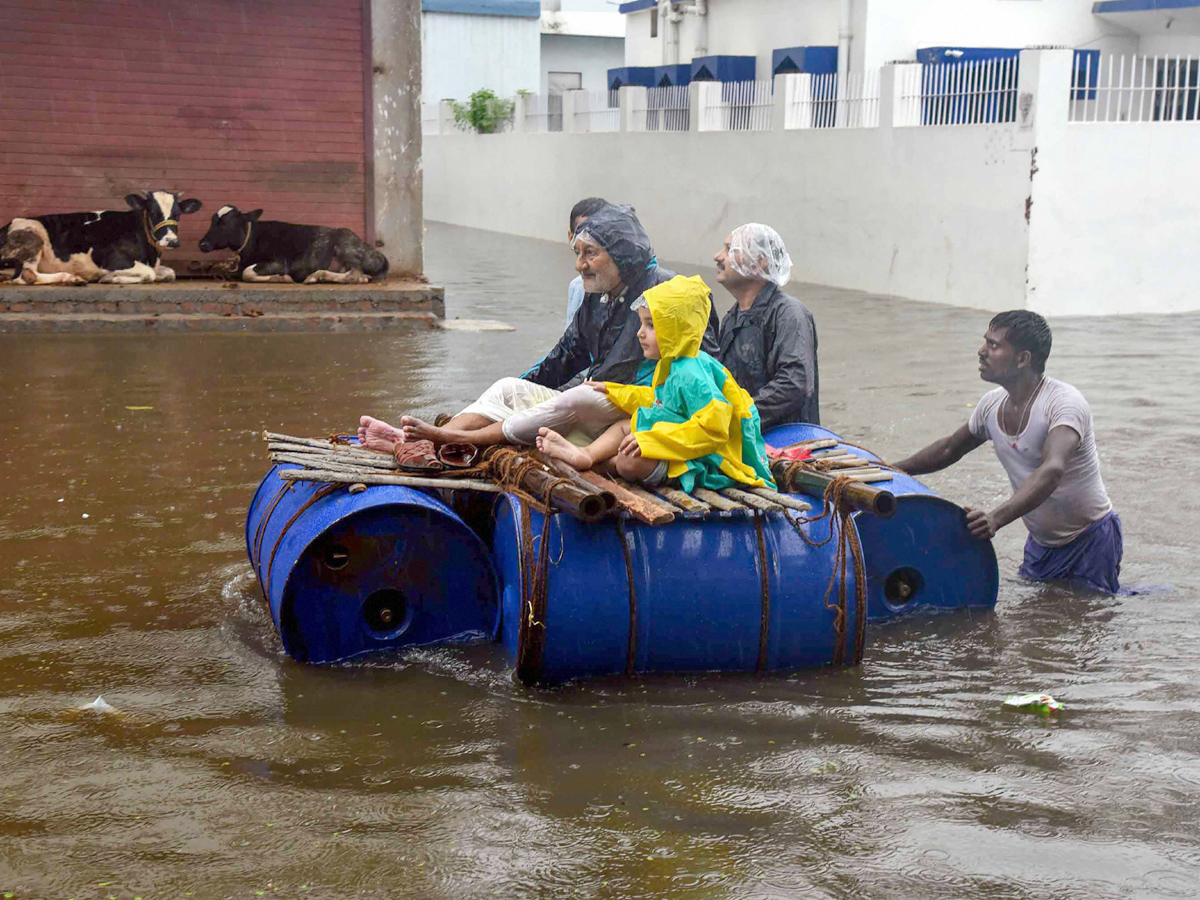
x=190 y=205
x=254 y=215
x=135 y=201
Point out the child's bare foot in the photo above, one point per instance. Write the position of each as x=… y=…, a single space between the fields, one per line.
x=415 y=429
x=554 y=444
x=376 y=434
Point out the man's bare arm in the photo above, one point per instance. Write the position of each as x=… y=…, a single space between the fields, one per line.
x=1061 y=442
x=941 y=453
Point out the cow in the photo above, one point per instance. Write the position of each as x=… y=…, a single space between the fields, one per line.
x=283 y=252
x=113 y=247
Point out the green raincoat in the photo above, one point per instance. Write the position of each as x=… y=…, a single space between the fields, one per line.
x=694 y=416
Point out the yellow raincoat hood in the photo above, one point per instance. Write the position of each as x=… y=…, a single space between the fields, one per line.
x=680 y=310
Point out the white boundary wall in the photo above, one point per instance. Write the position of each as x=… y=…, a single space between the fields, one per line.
x=931 y=214
x=1060 y=217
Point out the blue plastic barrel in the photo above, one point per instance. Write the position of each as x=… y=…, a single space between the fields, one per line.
x=347 y=574
x=731 y=592
x=921 y=559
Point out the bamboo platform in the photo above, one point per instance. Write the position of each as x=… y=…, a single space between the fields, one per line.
x=586 y=495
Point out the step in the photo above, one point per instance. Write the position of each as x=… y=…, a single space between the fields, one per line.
x=308 y=321
x=221 y=298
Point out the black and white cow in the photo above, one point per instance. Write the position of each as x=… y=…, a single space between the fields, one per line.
x=107 y=246
x=280 y=251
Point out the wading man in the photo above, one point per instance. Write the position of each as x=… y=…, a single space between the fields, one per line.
x=1041 y=429
x=768 y=339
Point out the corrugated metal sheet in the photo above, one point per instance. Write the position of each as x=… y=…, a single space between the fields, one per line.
x=252 y=104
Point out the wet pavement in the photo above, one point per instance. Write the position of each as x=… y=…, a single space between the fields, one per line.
x=226 y=770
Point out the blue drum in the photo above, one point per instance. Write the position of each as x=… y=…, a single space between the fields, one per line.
x=347 y=574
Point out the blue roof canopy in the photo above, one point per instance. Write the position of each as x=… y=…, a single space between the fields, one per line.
x=525 y=9
x=723 y=68
x=815 y=60
x=670 y=76
x=638 y=76
x=636 y=5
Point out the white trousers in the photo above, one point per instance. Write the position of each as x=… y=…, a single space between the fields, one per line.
x=580 y=414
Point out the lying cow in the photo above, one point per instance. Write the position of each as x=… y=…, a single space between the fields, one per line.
x=105 y=246
x=280 y=251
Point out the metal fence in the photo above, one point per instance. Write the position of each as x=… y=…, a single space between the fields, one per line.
x=819 y=101
x=598 y=111
x=964 y=93
x=668 y=108
x=735 y=106
x=1135 y=89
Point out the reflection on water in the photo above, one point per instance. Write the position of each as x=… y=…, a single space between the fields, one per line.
x=226 y=770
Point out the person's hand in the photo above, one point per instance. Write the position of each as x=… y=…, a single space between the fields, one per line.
x=630 y=446
x=980 y=524
x=598 y=386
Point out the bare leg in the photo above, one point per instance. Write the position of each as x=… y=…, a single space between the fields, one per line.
x=636 y=468
x=415 y=429
x=582 y=458
x=376 y=434
x=469 y=422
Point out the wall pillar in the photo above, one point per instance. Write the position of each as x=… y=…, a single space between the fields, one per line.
x=633 y=101
x=781 y=86
x=395 y=185
x=520 y=104
x=573 y=102
x=446 y=121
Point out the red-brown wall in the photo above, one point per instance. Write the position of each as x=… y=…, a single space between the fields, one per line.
x=254 y=103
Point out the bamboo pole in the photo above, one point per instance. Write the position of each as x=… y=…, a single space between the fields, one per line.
x=752 y=500
x=712 y=498
x=568 y=471
x=684 y=501
x=345 y=453
x=642 y=510
x=450 y=484
x=871 y=479
x=793 y=476
x=787 y=500
x=638 y=491
x=317 y=460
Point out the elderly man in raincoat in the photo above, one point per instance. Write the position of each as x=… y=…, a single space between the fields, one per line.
x=614 y=257
x=693 y=426
x=768 y=338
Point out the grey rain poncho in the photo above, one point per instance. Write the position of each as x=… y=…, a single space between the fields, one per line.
x=602 y=337
x=771 y=348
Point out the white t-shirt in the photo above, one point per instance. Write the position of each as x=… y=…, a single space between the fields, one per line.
x=1080 y=498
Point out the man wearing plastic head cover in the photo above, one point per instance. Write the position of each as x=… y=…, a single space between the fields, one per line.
x=768 y=339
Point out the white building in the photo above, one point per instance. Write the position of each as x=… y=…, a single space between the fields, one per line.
x=868 y=33
x=516 y=45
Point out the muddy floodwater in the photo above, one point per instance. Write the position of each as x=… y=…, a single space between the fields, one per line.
x=224 y=769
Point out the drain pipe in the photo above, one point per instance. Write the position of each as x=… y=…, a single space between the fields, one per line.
x=700 y=10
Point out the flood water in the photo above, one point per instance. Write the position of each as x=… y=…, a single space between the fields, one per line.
x=226 y=770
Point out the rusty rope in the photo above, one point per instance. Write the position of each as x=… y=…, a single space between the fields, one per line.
x=849 y=549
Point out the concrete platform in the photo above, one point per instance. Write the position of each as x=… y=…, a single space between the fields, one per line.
x=219 y=306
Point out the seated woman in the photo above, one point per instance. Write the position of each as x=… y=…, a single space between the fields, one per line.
x=694 y=427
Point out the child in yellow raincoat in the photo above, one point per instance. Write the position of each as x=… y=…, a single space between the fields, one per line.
x=694 y=427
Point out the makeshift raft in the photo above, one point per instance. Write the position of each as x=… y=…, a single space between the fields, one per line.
x=582 y=576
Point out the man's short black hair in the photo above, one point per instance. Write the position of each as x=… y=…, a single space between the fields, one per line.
x=1026 y=331
x=585 y=207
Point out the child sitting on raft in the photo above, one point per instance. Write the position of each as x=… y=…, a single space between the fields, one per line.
x=694 y=427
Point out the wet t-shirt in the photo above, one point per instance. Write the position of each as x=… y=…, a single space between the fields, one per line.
x=1080 y=498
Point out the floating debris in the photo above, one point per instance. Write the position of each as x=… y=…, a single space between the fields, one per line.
x=472 y=325
x=1042 y=704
